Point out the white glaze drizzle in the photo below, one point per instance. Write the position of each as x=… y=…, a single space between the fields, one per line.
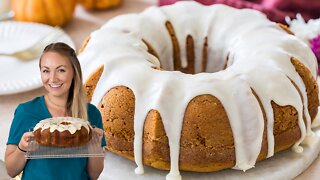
x=55 y=123
x=260 y=53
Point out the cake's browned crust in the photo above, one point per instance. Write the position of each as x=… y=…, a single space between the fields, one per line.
x=190 y=55
x=206 y=139
x=62 y=139
x=91 y=83
x=201 y=148
x=176 y=51
x=84 y=44
x=264 y=145
x=205 y=54
x=150 y=49
x=285 y=28
x=286 y=129
x=311 y=84
x=226 y=62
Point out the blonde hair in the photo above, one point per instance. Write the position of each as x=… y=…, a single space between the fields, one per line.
x=77 y=103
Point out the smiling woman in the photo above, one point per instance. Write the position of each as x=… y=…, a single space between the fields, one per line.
x=62 y=78
x=61 y=72
x=57 y=75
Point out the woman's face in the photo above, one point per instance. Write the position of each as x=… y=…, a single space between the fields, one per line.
x=56 y=73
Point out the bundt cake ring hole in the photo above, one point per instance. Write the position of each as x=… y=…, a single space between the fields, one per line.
x=190 y=54
x=190 y=69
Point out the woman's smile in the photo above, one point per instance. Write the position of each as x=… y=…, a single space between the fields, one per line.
x=55 y=85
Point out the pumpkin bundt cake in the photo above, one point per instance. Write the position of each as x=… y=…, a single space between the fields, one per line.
x=200 y=88
x=62 y=132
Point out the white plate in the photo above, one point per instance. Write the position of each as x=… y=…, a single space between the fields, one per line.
x=284 y=165
x=15 y=75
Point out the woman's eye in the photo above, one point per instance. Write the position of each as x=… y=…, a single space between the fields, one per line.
x=45 y=71
x=61 y=70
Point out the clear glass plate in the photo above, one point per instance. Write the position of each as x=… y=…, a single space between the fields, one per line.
x=91 y=149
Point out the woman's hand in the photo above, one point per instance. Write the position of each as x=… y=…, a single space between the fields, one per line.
x=95 y=164
x=99 y=133
x=96 y=139
x=24 y=142
x=15 y=155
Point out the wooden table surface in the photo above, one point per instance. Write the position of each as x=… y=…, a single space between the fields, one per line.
x=83 y=24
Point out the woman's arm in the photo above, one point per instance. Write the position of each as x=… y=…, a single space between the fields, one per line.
x=15 y=159
x=95 y=164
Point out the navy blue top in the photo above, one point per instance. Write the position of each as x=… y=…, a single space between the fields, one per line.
x=26 y=116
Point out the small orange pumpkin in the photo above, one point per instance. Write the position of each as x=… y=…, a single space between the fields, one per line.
x=52 y=12
x=100 y=4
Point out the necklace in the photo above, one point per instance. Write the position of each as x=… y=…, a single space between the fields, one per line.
x=55 y=103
